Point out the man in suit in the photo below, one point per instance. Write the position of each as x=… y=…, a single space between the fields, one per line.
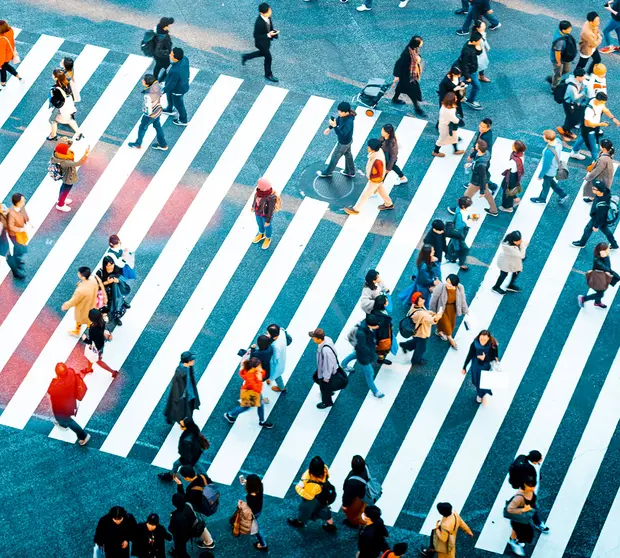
x=264 y=33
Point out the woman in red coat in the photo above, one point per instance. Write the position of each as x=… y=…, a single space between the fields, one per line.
x=7 y=52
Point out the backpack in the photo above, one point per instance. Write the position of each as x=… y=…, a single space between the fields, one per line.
x=560 y=91
x=80 y=388
x=148 y=43
x=57 y=97
x=352 y=335
x=570 y=49
x=612 y=212
x=373 y=489
x=54 y=170
x=406 y=327
x=210 y=498
x=327 y=496
x=278 y=205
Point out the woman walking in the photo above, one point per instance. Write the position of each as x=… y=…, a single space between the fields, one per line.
x=373 y=287
x=444 y=534
x=452 y=82
x=63 y=107
x=429 y=272
x=254 y=499
x=116 y=289
x=483 y=58
x=510 y=260
x=602 y=169
x=600 y=277
x=97 y=335
x=457 y=232
x=114 y=533
x=448 y=126
x=8 y=54
x=372 y=539
x=449 y=300
x=389 y=144
x=253 y=376
x=407 y=73
x=482 y=353
x=123 y=258
x=511 y=184
x=67 y=65
x=384 y=332
x=353 y=492
x=522 y=508
x=264 y=206
x=85 y=297
x=64 y=158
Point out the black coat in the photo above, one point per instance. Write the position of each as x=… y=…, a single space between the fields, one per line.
x=111 y=536
x=178 y=406
x=371 y=542
x=142 y=546
x=599 y=209
x=190 y=447
x=446 y=85
x=468 y=61
x=365 y=344
x=402 y=67
x=437 y=241
x=384 y=331
x=163 y=45
x=261 y=39
x=353 y=488
x=181 y=523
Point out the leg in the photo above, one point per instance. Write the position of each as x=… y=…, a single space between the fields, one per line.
x=8 y=68
x=489 y=197
x=492 y=19
x=607 y=32
x=180 y=547
x=397 y=170
x=579 y=143
x=280 y=383
x=3 y=70
x=161 y=139
x=369 y=190
x=179 y=104
x=54 y=129
x=260 y=221
x=593 y=144
x=501 y=279
x=557 y=75
x=145 y=121
x=513 y=279
x=345 y=362
x=268 y=229
x=609 y=235
x=369 y=374
x=349 y=163
x=262 y=541
x=468 y=19
x=326 y=393
x=105 y=366
x=261 y=410
x=587 y=233
x=267 y=54
x=237 y=411
x=556 y=188
x=251 y=55
x=471 y=190
x=583 y=61
x=64 y=192
x=420 y=349
x=384 y=195
x=475 y=87
x=68 y=422
x=596 y=296
x=463 y=252
x=169 y=103
x=596 y=57
x=339 y=151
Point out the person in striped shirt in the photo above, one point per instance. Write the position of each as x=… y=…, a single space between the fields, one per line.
x=150 y=114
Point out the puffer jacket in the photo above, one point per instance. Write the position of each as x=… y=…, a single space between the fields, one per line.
x=252 y=379
x=152 y=100
x=510 y=258
x=245 y=518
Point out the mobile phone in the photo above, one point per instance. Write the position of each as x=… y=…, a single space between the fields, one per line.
x=241 y=352
x=241 y=479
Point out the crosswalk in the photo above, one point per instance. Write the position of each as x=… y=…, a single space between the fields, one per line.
x=271 y=280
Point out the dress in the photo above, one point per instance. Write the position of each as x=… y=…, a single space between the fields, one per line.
x=448 y=319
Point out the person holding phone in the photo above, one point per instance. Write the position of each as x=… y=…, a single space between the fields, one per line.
x=264 y=33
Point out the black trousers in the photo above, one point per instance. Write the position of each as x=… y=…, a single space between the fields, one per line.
x=587 y=233
x=264 y=52
x=6 y=67
x=583 y=62
x=573 y=115
x=418 y=344
x=326 y=392
x=161 y=64
x=409 y=88
x=502 y=278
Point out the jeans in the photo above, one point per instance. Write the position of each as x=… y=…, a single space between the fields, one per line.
x=558 y=72
x=596 y=296
x=502 y=278
x=263 y=228
x=259 y=536
x=200 y=470
x=369 y=373
x=6 y=67
x=238 y=410
x=418 y=344
x=471 y=17
x=68 y=422
x=145 y=122
x=474 y=87
x=368 y=3
x=64 y=192
x=591 y=143
x=16 y=261
x=279 y=382
x=266 y=53
x=583 y=61
x=550 y=183
x=176 y=101
x=587 y=233
x=612 y=25
x=342 y=149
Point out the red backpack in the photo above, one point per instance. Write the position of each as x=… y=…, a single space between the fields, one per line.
x=80 y=387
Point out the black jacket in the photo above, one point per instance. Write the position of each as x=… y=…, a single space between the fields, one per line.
x=163 y=44
x=472 y=354
x=487 y=137
x=178 y=406
x=365 y=346
x=371 y=542
x=177 y=78
x=446 y=85
x=480 y=171
x=181 y=523
x=402 y=67
x=352 y=489
x=265 y=358
x=110 y=536
x=468 y=61
x=599 y=209
x=384 y=331
x=481 y=7
x=437 y=241
x=190 y=446
x=150 y=544
x=193 y=492
x=261 y=40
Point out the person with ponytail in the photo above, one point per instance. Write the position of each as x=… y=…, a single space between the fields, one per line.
x=511 y=185
x=510 y=260
x=389 y=144
x=601 y=169
x=64 y=113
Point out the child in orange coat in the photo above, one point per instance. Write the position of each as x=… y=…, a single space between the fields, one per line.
x=251 y=392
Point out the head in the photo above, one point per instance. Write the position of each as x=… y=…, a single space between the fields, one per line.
x=549 y=136
x=579 y=74
x=108 y=264
x=18 y=200
x=152 y=521
x=187 y=472
x=83 y=273
x=601 y=250
x=599 y=70
x=358 y=465
x=178 y=501
x=599 y=188
x=372 y=279
x=187 y=424
x=165 y=23
x=485 y=125
x=475 y=38
x=449 y=100
x=387 y=132
x=444 y=508
x=372 y=322
x=426 y=255
x=253 y=484
x=96 y=317
x=316 y=467
x=417 y=299
x=565 y=27
x=344 y=109
x=607 y=146
x=438 y=226
x=4 y=26
x=514 y=238
x=374 y=145
x=601 y=98
x=62 y=151
x=519 y=147
x=373 y=513
x=528 y=482
x=114 y=241
x=273 y=330
x=415 y=42
x=176 y=54
x=317 y=335
x=118 y=514
x=263 y=185
x=593 y=19
x=453 y=280
x=67 y=64
x=148 y=80
x=534 y=457
x=263 y=342
x=60 y=77
x=485 y=337
x=400 y=549
x=380 y=302
x=61 y=370
x=482 y=147
x=480 y=26
x=188 y=358
x=464 y=203
x=264 y=9
x=455 y=71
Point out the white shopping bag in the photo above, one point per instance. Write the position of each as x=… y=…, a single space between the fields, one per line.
x=492 y=379
x=98 y=552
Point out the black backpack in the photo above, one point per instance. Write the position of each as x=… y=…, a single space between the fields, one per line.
x=570 y=49
x=327 y=496
x=57 y=99
x=148 y=43
x=560 y=91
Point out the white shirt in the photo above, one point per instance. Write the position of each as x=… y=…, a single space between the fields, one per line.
x=266 y=20
x=537 y=468
x=593 y=113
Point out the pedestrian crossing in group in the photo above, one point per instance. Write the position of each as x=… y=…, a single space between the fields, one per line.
x=155 y=283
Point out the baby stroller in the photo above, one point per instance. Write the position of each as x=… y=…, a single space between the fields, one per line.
x=372 y=93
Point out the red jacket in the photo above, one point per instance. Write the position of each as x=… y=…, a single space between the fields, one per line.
x=7 y=47
x=252 y=379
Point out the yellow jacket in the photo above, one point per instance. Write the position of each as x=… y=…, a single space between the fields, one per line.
x=308 y=487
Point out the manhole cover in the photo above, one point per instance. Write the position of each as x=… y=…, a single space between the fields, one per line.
x=338 y=190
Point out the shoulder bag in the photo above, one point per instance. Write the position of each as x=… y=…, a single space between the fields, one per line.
x=598 y=280
x=524 y=517
x=562 y=173
x=339 y=379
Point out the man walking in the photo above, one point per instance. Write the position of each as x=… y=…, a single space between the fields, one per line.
x=343 y=127
x=84 y=298
x=375 y=172
x=264 y=33
x=326 y=365
x=183 y=398
x=479 y=9
x=591 y=127
x=280 y=340
x=423 y=321
x=563 y=52
x=574 y=102
x=177 y=84
x=549 y=169
x=479 y=181
x=468 y=61
x=598 y=216
x=17 y=219
x=151 y=112
x=589 y=41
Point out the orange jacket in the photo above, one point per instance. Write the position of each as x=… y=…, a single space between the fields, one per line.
x=252 y=379
x=7 y=47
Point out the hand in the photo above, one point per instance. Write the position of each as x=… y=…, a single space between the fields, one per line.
x=267 y=224
x=326 y=131
x=480 y=357
x=83 y=337
x=396 y=80
x=469 y=159
x=595 y=229
x=116 y=279
x=616 y=121
x=527 y=508
x=271 y=34
x=332 y=122
x=125 y=544
x=177 y=479
x=326 y=380
x=464 y=372
x=437 y=281
x=468 y=80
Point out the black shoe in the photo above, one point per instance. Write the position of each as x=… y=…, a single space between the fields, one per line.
x=498 y=290
x=578 y=244
x=127 y=305
x=296 y=523
x=134 y=145
x=177 y=122
x=166 y=111
x=160 y=147
x=118 y=322
x=18 y=275
x=419 y=112
x=230 y=419
x=462 y=33
x=329 y=527
x=202 y=544
x=513 y=289
x=261 y=548
x=588 y=200
x=403 y=348
x=272 y=78
x=460 y=11
x=266 y=425
x=384 y=361
x=537 y=200
x=166 y=477
x=489 y=212
x=345 y=173
x=323 y=405
x=396 y=101
x=452 y=210
x=243 y=60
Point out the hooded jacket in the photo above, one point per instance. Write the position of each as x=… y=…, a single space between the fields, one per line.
x=365 y=346
x=68 y=166
x=62 y=395
x=141 y=546
x=344 y=128
x=480 y=171
x=152 y=100
x=177 y=79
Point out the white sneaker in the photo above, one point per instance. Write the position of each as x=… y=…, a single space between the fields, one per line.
x=363 y=8
x=578 y=156
x=68 y=200
x=516 y=547
x=63 y=208
x=402 y=180
x=403 y=3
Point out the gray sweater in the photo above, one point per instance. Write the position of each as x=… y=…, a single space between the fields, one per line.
x=439 y=299
x=326 y=361
x=603 y=170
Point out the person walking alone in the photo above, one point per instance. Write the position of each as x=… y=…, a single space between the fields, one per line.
x=482 y=353
x=183 y=398
x=448 y=126
x=563 y=52
x=511 y=184
x=16 y=225
x=254 y=499
x=589 y=41
x=598 y=216
x=468 y=62
x=64 y=158
x=444 y=535
x=613 y=7
x=96 y=336
x=177 y=85
x=8 y=53
x=151 y=111
x=326 y=365
x=264 y=33
x=263 y=207
x=343 y=127
x=389 y=144
x=63 y=106
x=551 y=158
x=510 y=260
x=407 y=74
x=600 y=277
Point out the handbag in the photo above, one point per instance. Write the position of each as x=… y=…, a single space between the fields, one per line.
x=524 y=517
x=91 y=353
x=16 y=59
x=235 y=523
x=562 y=173
x=449 y=545
x=339 y=380
x=384 y=344
x=249 y=398
x=598 y=280
x=21 y=238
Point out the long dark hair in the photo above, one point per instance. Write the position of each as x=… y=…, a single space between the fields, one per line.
x=96 y=317
x=415 y=41
x=513 y=237
x=389 y=130
x=371 y=277
x=380 y=303
x=317 y=467
x=492 y=339
x=253 y=485
x=607 y=145
x=599 y=248
x=425 y=256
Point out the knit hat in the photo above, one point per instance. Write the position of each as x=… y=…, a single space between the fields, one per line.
x=599 y=185
x=415 y=296
x=187 y=356
x=599 y=70
x=263 y=184
x=62 y=149
x=61 y=369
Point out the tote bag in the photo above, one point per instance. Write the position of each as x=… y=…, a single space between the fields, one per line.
x=91 y=353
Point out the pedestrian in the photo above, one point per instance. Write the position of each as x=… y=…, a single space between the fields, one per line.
x=263 y=351
x=123 y=258
x=510 y=260
x=8 y=53
x=326 y=365
x=17 y=223
x=574 y=101
x=253 y=376
x=483 y=57
x=511 y=183
x=448 y=126
x=479 y=9
x=264 y=206
x=96 y=336
x=343 y=127
x=150 y=539
x=596 y=82
x=264 y=33
x=254 y=499
x=151 y=111
x=375 y=173
x=598 y=216
x=362 y=337
x=551 y=158
x=64 y=391
x=524 y=466
x=114 y=533
x=443 y=537
x=200 y=489
x=602 y=169
x=354 y=492
x=436 y=238
x=373 y=287
x=407 y=73
x=63 y=106
x=316 y=492
x=177 y=85
x=192 y=444
x=600 y=277
x=280 y=340
x=384 y=333
x=183 y=398
x=479 y=180
x=521 y=508
x=483 y=352
x=389 y=144
x=428 y=272
x=84 y=298
x=449 y=300
x=589 y=41
x=591 y=127
x=64 y=158
x=484 y=133
x=453 y=82
x=613 y=7
x=563 y=52
x=457 y=231
x=186 y=525
x=372 y=538
x=5 y=244
x=468 y=62
x=68 y=65
x=116 y=289
x=163 y=47
x=400 y=549
x=423 y=321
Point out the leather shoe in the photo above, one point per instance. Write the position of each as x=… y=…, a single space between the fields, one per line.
x=272 y=78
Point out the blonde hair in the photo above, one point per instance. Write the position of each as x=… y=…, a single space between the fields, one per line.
x=549 y=134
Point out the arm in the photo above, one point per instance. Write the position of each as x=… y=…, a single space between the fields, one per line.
x=464 y=526
x=600 y=216
x=546 y=165
x=172 y=80
x=260 y=30
x=77 y=297
x=607 y=113
x=308 y=490
x=514 y=507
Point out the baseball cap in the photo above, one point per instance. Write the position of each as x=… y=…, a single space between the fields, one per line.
x=318 y=333
x=187 y=356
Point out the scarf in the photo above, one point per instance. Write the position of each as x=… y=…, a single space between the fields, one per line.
x=260 y=199
x=518 y=159
x=415 y=69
